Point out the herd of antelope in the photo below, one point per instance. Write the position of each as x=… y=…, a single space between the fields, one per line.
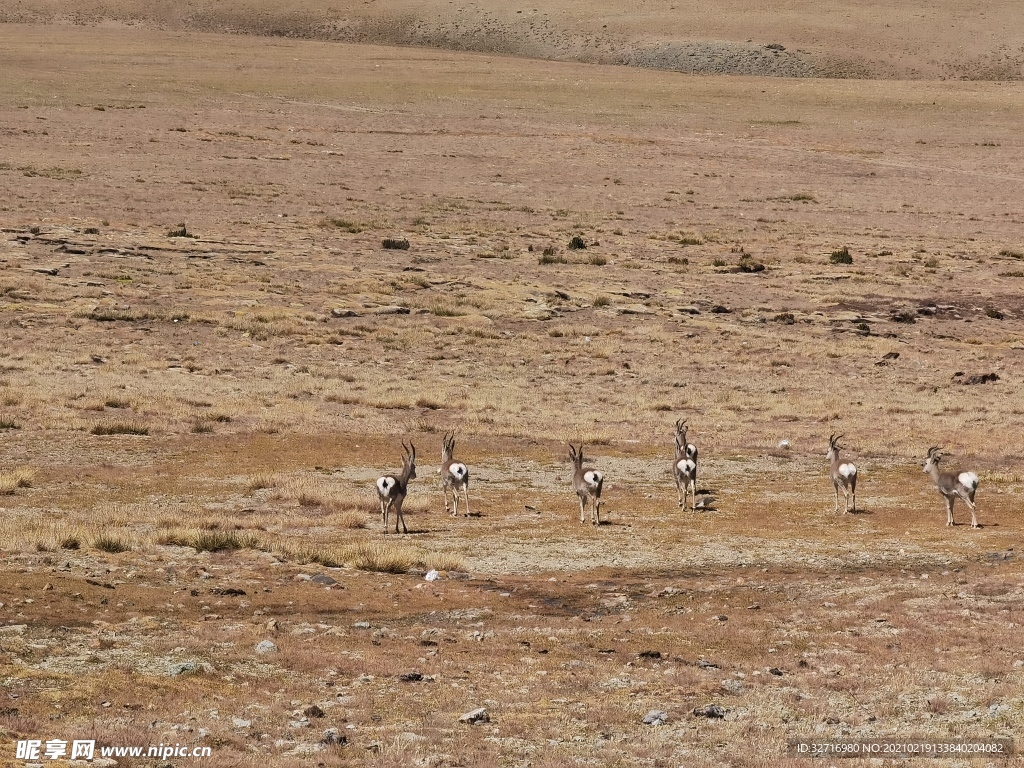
x=587 y=481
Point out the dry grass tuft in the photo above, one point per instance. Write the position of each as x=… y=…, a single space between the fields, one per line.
x=262 y=480
x=210 y=540
x=120 y=428
x=383 y=557
x=15 y=479
x=106 y=542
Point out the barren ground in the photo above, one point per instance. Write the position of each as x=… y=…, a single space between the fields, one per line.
x=191 y=261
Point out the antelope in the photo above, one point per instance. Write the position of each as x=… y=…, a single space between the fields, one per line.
x=685 y=467
x=952 y=484
x=843 y=474
x=587 y=483
x=454 y=475
x=392 y=488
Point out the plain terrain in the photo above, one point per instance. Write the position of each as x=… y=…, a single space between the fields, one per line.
x=208 y=357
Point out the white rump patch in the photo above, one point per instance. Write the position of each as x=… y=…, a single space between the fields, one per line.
x=385 y=484
x=458 y=471
x=593 y=477
x=968 y=479
x=691 y=451
x=847 y=470
x=686 y=466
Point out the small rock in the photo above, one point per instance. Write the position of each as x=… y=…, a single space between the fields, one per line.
x=14 y=629
x=313 y=711
x=306 y=748
x=649 y=654
x=188 y=668
x=340 y=312
x=704 y=664
x=431 y=636
x=634 y=309
x=775 y=671
x=732 y=686
x=391 y=310
x=324 y=579
x=710 y=711
x=238 y=722
x=411 y=677
x=655 y=717
x=333 y=736
x=432 y=575
x=361 y=625
x=480 y=715
x=266 y=646
x=720 y=617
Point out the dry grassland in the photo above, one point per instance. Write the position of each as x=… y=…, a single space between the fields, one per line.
x=208 y=358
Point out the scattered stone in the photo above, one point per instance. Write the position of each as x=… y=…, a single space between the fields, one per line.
x=476 y=716
x=649 y=655
x=272 y=626
x=980 y=378
x=189 y=668
x=775 y=671
x=634 y=309
x=14 y=629
x=300 y=723
x=720 y=617
x=391 y=310
x=324 y=580
x=361 y=625
x=306 y=748
x=313 y=711
x=655 y=717
x=266 y=646
x=431 y=636
x=340 y=312
x=395 y=244
x=732 y=686
x=711 y=711
x=718 y=309
x=411 y=677
x=432 y=575
x=703 y=664
x=238 y=722
x=333 y=736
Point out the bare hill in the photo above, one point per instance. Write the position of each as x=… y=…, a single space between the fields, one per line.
x=905 y=39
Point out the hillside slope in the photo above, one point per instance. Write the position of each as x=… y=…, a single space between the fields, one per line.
x=906 y=39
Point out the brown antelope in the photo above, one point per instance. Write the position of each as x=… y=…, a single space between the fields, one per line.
x=392 y=489
x=685 y=467
x=587 y=483
x=843 y=474
x=952 y=484
x=454 y=475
